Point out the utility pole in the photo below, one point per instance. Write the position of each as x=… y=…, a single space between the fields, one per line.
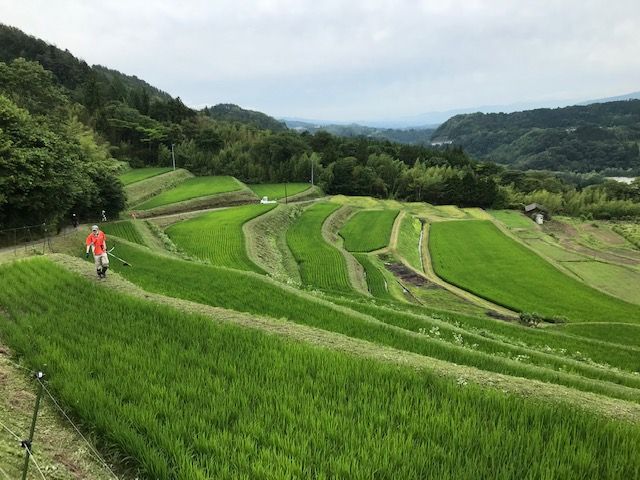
x=286 y=201
x=26 y=444
x=312 y=171
x=173 y=157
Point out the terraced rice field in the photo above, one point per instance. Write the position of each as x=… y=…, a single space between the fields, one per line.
x=409 y=241
x=276 y=191
x=321 y=265
x=124 y=229
x=376 y=281
x=368 y=230
x=174 y=402
x=217 y=236
x=230 y=289
x=476 y=256
x=137 y=174
x=616 y=280
x=192 y=188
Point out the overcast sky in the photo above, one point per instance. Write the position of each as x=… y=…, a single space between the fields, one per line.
x=356 y=59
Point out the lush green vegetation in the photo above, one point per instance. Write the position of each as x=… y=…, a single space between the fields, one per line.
x=276 y=191
x=409 y=241
x=137 y=174
x=192 y=188
x=621 y=334
x=476 y=256
x=376 y=281
x=616 y=280
x=630 y=231
x=230 y=289
x=513 y=218
x=368 y=230
x=217 y=236
x=577 y=138
x=123 y=229
x=231 y=386
x=229 y=112
x=321 y=265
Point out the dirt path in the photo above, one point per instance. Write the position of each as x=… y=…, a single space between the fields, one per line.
x=533 y=389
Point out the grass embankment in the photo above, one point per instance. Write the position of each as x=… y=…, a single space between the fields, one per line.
x=409 y=241
x=619 y=334
x=250 y=293
x=137 y=174
x=321 y=265
x=276 y=191
x=124 y=229
x=209 y=400
x=217 y=236
x=192 y=188
x=368 y=230
x=476 y=256
x=144 y=189
x=630 y=231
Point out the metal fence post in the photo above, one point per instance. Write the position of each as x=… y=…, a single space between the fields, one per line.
x=27 y=443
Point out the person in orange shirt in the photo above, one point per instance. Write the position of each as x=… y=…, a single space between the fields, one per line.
x=98 y=240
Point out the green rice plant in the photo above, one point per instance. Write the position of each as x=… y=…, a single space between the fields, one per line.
x=217 y=236
x=616 y=280
x=409 y=241
x=376 y=281
x=476 y=256
x=192 y=188
x=276 y=191
x=123 y=229
x=619 y=334
x=137 y=174
x=321 y=265
x=255 y=294
x=210 y=400
x=368 y=230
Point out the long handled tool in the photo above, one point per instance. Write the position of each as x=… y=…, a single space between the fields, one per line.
x=124 y=262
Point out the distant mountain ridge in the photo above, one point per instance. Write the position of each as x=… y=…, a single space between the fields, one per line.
x=233 y=113
x=596 y=137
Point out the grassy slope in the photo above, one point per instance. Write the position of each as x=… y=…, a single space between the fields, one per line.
x=321 y=265
x=476 y=256
x=275 y=191
x=409 y=241
x=138 y=174
x=513 y=218
x=368 y=230
x=216 y=401
x=217 y=236
x=622 y=282
x=124 y=229
x=192 y=188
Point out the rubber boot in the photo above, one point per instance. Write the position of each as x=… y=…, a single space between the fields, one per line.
x=99 y=271
x=104 y=271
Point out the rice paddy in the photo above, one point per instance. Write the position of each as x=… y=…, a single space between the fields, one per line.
x=409 y=241
x=321 y=265
x=368 y=230
x=192 y=188
x=277 y=191
x=123 y=229
x=217 y=236
x=476 y=256
x=208 y=400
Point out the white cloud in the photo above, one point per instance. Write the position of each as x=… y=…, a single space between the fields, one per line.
x=353 y=60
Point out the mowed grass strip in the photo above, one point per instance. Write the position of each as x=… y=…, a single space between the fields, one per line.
x=376 y=281
x=192 y=188
x=476 y=256
x=276 y=191
x=124 y=229
x=321 y=265
x=218 y=237
x=368 y=230
x=137 y=174
x=409 y=241
x=513 y=218
x=210 y=400
x=254 y=294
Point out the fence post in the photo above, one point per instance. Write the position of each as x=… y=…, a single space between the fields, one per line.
x=27 y=443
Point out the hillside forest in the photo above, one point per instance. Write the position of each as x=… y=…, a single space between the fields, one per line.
x=67 y=129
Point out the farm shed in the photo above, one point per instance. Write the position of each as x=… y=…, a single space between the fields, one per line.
x=537 y=212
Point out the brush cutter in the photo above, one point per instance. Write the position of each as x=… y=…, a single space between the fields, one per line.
x=124 y=262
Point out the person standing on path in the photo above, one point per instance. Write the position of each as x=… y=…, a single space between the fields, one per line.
x=98 y=240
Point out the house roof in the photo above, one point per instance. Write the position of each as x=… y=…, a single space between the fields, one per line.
x=533 y=206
